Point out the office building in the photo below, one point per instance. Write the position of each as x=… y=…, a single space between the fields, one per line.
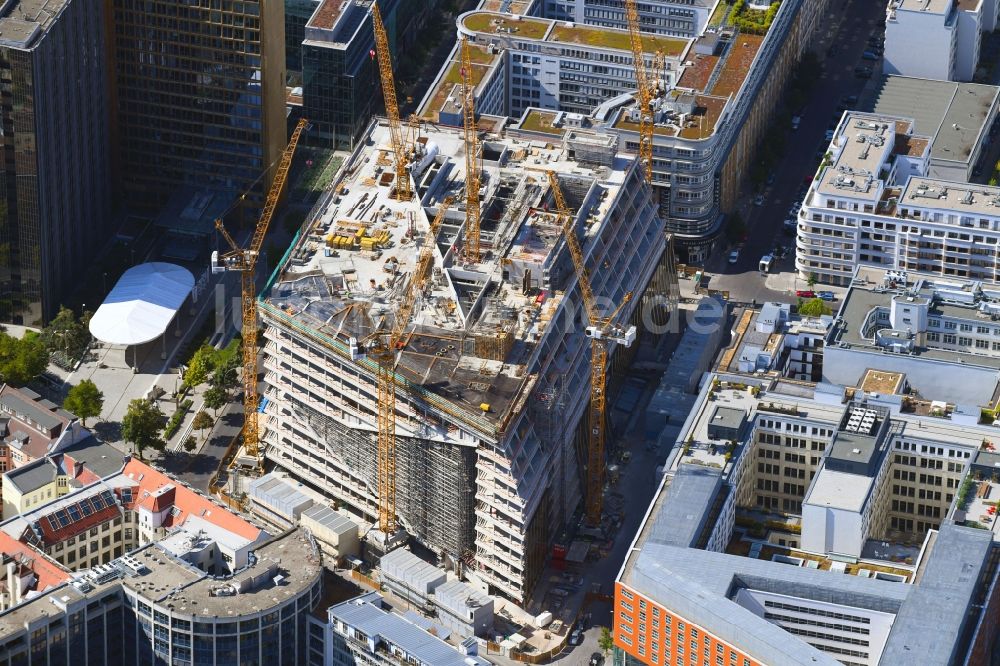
x=872 y=202
x=341 y=88
x=716 y=91
x=842 y=521
x=297 y=14
x=54 y=215
x=658 y=17
x=200 y=101
x=489 y=431
x=949 y=33
x=958 y=118
x=162 y=573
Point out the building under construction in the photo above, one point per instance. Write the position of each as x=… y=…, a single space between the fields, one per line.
x=493 y=374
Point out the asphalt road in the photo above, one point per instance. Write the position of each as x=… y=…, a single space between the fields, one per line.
x=197 y=469
x=849 y=27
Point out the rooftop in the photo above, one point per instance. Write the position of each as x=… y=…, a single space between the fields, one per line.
x=25 y=20
x=929 y=6
x=839 y=490
x=536 y=29
x=942 y=194
x=953 y=114
x=282 y=568
x=861 y=146
x=366 y=615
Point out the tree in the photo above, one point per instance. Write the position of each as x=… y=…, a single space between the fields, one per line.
x=811 y=280
x=814 y=307
x=202 y=421
x=201 y=365
x=190 y=444
x=226 y=377
x=67 y=334
x=21 y=360
x=605 y=642
x=85 y=400
x=141 y=425
x=215 y=398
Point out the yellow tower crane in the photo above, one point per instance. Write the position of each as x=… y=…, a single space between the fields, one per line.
x=644 y=95
x=383 y=347
x=399 y=149
x=244 y=261
x=472 y=148
x=602 y=331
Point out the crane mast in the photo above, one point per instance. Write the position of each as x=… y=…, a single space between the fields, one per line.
x=399 y=150
x=245 y=262
x=644 y=95
x=472 y=210
x=384 y=354
x=602 y=331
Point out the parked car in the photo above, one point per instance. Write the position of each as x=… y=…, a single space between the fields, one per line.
x=758 y=200
x=796 y=121
x=825 y=295
x=863 y=72
x=848 y=100
x=869 y=55
x=596 y=659
x=576 y=638
x=790 y=227
x=770 y=179
x=805 y=293
x=829 y=135
x=734 y=256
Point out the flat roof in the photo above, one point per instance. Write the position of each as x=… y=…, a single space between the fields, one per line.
x=939 y=602
x=190 y=590
x=881 y=381
x=26 y=20
x=839 y=490
x=688 y=500
x=935 y=194
x=564 y=32
x=861 y=146
x=413 y=640
x=698 y=585
x=728 y=417
x=953 y=114
x=142 y=303
x=929 y=6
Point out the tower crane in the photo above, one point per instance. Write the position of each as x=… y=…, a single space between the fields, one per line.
x=382 y=347
x=399 y=148
x=644 y=95
x=472 y=148
x=602 y=331
x=244 y=261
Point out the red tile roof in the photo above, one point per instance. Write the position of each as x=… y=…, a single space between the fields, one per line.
x=185 y=501
x=49 y=573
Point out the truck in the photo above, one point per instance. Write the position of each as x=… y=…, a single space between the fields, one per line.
x=766 y=263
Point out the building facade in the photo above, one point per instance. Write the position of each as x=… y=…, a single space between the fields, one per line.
x=949 y=31
x=502 y=475
x=717 y=92
x=679 y=18
x=200 y=98
x=56 y=208
x=871 y=203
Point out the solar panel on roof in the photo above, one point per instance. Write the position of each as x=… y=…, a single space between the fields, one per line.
x=74 y=513
x=63 y=519
x=51 y=524
x=98 y=502
x=86 y=508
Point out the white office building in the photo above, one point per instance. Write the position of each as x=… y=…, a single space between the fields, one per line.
x=936 y=39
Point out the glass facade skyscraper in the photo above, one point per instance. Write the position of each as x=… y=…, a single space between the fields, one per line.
x=55 y=174
x=200 y=95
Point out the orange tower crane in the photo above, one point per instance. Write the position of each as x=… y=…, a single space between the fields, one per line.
x=602 y=331
x=244 y=261
x=472 y=148
x=399 y=149
x=644 y=95
x=382 y=347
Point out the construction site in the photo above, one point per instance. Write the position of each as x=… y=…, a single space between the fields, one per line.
x=492 y=373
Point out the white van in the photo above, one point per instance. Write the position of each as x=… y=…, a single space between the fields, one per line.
x=766 y=262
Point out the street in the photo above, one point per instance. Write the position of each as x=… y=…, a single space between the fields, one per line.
x=848 y=28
